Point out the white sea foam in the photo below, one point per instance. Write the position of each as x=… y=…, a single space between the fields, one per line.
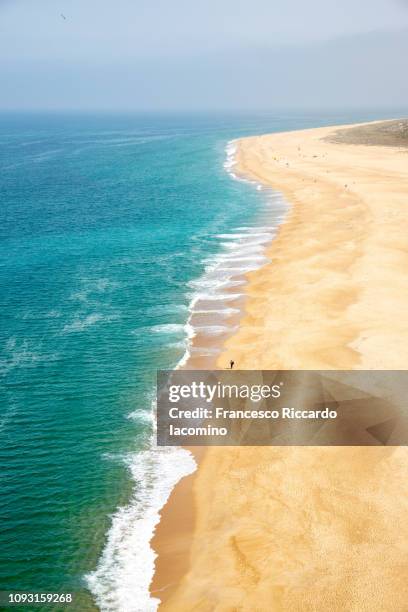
x=121 y=580
x=242 y=235
x=257 y=228
x=223 y=312
x=259 y=259
x=230 y=161
x=244 y=246
x=141 y=416
x=217 y=297
x=169 y=328
x=181 y=344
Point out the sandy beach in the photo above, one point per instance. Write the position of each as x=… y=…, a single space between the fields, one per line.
x=307 y=529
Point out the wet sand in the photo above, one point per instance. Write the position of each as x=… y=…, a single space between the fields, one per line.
x=307 y=529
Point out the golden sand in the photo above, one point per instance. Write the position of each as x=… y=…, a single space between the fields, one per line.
x=308 y=529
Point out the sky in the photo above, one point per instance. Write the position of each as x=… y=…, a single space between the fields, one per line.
x=202 y=54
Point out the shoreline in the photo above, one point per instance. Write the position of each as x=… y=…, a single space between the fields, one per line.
x=350 y=240
x=173 y=534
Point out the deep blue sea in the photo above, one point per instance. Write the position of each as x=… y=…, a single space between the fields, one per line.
x=106 y=222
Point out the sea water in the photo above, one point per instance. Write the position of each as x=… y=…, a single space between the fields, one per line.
x=114 y=229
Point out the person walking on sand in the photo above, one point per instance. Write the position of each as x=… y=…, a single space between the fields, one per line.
x=232 y=364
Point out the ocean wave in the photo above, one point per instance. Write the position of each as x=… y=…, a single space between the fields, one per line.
x=217 y=285
x=182 y=344
x=169 y=328
x=242 y=248
x=122 y=578
x=213 y=279
x=216 y=297
x=141 y=416
x=258 y=259
x=230 y=161
x=252 y=241
x=241 y=235
x=256 y=228
x=222 y=312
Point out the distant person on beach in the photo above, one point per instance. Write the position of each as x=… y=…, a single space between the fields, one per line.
x=232 y=364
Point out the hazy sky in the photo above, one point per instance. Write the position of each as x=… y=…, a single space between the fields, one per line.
x=178 y=54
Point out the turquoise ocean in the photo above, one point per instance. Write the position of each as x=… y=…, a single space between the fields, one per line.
x=109 y=226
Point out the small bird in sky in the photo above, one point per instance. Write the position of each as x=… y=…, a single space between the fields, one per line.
x=63 y=16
